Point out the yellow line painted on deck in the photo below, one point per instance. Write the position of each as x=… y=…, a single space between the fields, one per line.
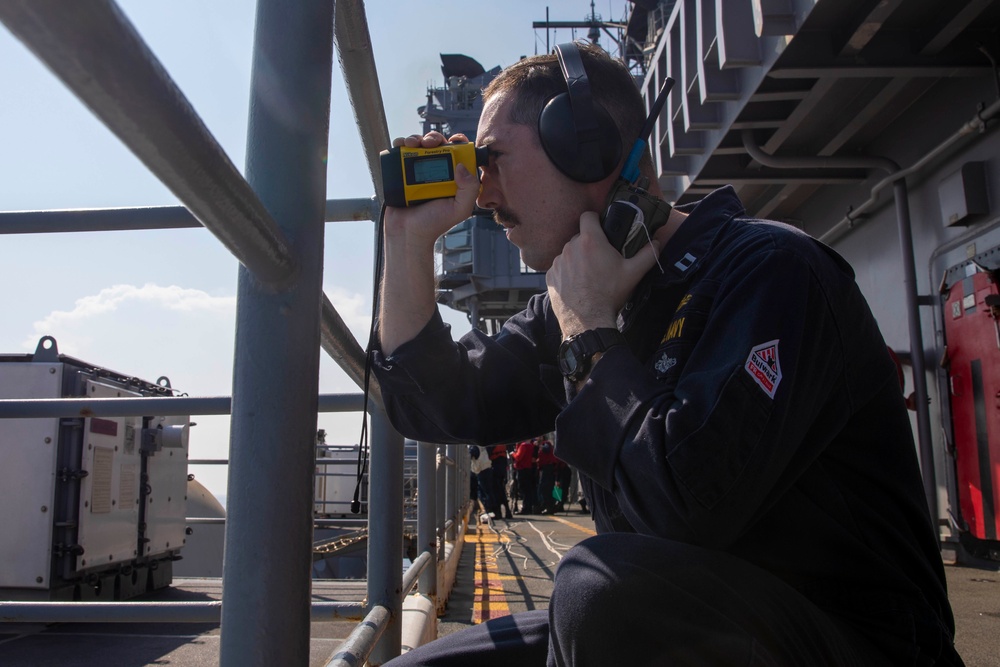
x=488 y=598
x=582 y=529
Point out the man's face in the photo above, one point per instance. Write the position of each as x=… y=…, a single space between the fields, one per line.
x=537 y=205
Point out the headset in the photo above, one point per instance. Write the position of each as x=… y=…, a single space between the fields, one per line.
x=582 y=141
x=579 y=136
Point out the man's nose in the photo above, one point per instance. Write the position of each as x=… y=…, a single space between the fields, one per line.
x=489 y=194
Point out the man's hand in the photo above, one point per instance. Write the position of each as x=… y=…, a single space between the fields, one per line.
x=408 y=300
x=423 y=224
x=590 y=281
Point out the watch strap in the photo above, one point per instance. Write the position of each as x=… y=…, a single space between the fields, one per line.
x=586 y=344
x=606 y=338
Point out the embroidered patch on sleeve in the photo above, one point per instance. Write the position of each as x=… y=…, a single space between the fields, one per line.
x=763 y=367
x=664 y=364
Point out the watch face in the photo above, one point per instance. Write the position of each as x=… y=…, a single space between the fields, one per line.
x=567 y=360
x=576 y=354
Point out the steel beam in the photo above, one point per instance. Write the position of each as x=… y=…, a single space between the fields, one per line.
x=877 y=72
x=869 y=26
x=737 y=44
x=268 y=555
x=338 y=341
x=947 y=33
x=354 y=50
x=94 y=49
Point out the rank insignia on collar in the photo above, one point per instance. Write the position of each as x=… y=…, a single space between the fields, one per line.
x=763 y=367
x=685 y=262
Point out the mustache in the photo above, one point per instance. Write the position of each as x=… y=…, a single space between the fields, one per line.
x=505 y=217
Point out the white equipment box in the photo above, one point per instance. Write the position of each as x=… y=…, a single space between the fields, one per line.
x=335 y=481
x=91 y=507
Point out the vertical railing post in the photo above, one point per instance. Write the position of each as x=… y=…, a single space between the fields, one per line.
x=266 y=573
x=463 y=474
x=442 y=512
x=451 y=476
x=385 y=532
x=427 y=516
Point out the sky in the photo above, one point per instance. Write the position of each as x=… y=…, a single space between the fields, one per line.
x=162 y=303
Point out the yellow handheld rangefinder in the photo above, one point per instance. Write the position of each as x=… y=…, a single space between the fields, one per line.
x=411 y=176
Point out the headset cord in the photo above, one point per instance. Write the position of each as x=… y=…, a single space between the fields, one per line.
x=376 y=293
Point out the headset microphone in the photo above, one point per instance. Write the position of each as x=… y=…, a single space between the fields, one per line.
x=630 y=172
x=633 y=214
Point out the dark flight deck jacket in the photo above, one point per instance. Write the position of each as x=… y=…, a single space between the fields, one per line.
x=754 y=411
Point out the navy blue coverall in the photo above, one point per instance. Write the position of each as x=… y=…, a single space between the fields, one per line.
x=747 y=457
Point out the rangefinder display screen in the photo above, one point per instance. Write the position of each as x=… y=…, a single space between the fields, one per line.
x=429 y=169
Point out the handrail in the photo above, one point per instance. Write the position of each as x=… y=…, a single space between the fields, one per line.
x=135 y=218
x=148 y=612
x=143 y=406
x=359 y=644
x=414 y=571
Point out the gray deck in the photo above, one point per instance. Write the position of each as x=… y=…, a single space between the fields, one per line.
x=176 y=644
x=504 y=568
x=975 y=601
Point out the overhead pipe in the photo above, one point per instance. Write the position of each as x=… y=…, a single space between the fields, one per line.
x=976 y=125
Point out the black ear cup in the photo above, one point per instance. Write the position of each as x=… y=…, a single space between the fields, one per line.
x=579 y=136
x=586 y=156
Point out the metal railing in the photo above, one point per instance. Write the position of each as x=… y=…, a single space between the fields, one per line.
x=273 y=223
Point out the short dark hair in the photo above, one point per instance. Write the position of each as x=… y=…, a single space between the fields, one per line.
x=536 y=80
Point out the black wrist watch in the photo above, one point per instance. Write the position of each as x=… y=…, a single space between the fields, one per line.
x=577 y=352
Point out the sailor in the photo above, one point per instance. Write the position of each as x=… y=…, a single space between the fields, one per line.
x=724 y=393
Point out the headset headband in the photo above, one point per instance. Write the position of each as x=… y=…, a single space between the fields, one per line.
x=581 y=101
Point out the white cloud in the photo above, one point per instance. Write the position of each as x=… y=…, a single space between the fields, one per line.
x=111 y=299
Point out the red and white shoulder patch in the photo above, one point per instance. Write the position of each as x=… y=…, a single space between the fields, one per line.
x=763 y=367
